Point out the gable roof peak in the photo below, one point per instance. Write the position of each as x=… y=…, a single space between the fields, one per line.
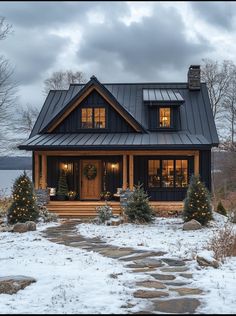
x=93 y=78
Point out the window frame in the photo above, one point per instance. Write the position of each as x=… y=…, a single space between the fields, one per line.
x=93 y=119
x=174 y=187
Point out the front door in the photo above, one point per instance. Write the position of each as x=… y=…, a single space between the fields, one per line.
x=90 y=187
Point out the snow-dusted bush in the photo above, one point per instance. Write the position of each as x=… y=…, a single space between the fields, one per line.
x=104 y=213
x=46 y=216
x=223 y=243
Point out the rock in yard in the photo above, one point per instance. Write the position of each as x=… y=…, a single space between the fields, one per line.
x=179 y=306
x=12 y=284
x=186 y=291
x=151 y=284
x=205 y=259
x=20 y=228
x=31 y=225
x=163 y=276
x=192 y=225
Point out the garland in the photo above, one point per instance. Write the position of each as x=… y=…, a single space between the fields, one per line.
x=90 y=172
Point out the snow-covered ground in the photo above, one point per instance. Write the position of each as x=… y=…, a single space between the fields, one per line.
x=166 y=234
x=69 y=280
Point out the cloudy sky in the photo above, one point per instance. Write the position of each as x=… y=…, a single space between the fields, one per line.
x=116 y=41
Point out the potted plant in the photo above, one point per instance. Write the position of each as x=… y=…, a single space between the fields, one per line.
x=72 y=195
x=62 y=191
x=106 y=195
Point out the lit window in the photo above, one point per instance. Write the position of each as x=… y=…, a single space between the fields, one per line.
x=87 y=118
x=167 y=173
x=181 y=170
x=164 y=117
x=154 y=173
x=93 y=118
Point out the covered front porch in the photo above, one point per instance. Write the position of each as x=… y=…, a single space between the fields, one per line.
x=115 y=171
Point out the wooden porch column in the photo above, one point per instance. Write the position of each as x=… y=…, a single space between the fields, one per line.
x=124 y=186
x=44 y=171
x=36 y=170
x=131 y=172
x=196 y=163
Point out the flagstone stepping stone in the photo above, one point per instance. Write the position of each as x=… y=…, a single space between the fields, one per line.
x=174 y=269
x=147 y=262
x=12 y=284
x=163 y=276
x=142 y=254
x=177 y=306
x=151 y=284
x=146 y=269
x=173 y=262
x=150 y=294
x=176 y=283
x=186 y=275
x=186 y=291
x=115 y=253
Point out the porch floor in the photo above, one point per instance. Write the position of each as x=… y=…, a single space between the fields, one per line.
x=88 y=208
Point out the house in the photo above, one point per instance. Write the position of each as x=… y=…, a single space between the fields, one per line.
x=115 y=135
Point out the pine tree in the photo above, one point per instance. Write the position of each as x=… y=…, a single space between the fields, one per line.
x=220 y=209
x=197 y=204
x=138 y=209
x=62 y=184
x=23 y=207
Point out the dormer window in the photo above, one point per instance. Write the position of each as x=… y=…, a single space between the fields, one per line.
x=164 y=117
x=93 y=118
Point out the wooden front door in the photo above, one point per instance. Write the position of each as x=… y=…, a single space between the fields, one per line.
x=90 y=184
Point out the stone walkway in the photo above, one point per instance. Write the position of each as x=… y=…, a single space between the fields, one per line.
x=168 y=283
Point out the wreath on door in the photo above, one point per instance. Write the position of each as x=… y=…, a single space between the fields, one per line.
x=90 y=171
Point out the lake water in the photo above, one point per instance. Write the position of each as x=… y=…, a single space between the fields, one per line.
x=7 y=178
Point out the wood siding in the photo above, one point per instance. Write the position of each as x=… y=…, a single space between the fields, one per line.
x=115 y=122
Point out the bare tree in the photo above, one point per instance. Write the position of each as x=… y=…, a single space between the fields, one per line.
x=26 y=118
x=5 y=28
x=217 y=77
x=230 y=109
x=60 y=80
x=7 y=85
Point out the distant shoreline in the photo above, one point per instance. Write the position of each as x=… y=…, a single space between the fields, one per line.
x=15 y=163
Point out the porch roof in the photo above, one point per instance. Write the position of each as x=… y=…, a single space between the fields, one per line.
x=81 y=141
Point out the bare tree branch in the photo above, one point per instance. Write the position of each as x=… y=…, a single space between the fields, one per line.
x=61 y=80
x=5 y=28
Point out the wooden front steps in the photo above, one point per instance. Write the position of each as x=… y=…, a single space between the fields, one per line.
x=88 y=208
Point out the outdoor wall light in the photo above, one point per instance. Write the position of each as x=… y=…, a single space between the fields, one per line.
x=115 y=166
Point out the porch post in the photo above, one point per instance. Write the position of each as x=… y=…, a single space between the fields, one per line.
x=36 y=170
x=131 y=172
x=124 y=185
x=44 y=171
x=196 y=163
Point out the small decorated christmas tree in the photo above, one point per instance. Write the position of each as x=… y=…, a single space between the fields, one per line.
x=23 y=207
x=197 y=204
x=62 y=190
x=138 y=209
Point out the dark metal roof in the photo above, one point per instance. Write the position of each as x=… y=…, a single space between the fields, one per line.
x=195 y=111
x=162 y=95
x=150 y=140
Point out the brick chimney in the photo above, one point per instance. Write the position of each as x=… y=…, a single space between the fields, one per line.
x=194 y=77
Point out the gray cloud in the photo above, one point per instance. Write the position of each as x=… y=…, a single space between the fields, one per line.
x=38 y=14
x=143 y=49
x=219 y=14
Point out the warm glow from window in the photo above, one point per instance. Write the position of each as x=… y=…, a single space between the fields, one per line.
x=99 y=118
x=87 y=118
x=93 y=118
x=154 y=173
x=164 y=117
x=167 y=173
x=181 y=170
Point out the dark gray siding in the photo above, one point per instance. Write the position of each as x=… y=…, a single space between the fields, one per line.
x=205 y=167
x=115 y=123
